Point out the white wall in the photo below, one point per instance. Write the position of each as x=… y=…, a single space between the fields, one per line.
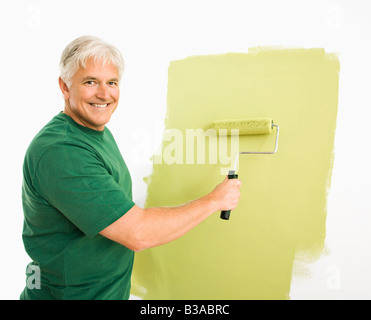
x=150 y=34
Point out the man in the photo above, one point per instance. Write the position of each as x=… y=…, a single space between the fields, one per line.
x=81 y=226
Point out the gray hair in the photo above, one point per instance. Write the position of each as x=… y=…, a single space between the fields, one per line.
x=77 y=53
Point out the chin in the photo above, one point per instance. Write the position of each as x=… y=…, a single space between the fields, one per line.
x=101 y=124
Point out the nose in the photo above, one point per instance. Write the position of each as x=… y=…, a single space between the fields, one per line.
x=103 y=93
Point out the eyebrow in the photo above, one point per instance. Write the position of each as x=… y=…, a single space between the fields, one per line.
x=93 y=78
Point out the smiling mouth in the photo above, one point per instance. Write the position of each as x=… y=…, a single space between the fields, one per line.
x=99 y=106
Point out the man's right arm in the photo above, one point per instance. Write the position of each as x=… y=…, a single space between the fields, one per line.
x=140 y=229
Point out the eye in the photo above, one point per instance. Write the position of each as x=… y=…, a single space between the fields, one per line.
x=113 y=83
x=89 y=82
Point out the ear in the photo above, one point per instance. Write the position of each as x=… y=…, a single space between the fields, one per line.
x=64 y=89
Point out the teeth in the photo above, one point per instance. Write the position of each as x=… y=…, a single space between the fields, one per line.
x=99 y=105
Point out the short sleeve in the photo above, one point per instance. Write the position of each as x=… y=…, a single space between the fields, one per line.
x=74 y=180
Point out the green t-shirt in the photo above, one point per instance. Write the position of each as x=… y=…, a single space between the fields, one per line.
x=75 y=184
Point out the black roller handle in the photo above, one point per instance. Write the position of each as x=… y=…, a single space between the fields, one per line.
x=225 y=213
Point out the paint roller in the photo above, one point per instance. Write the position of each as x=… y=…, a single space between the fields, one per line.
x=251 y=126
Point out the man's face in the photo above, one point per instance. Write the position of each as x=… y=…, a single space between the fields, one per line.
x=93 y=94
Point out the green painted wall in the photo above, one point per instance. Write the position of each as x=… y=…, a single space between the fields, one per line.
x=282 y=211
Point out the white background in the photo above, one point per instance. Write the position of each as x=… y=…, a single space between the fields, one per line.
x=150 y=34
